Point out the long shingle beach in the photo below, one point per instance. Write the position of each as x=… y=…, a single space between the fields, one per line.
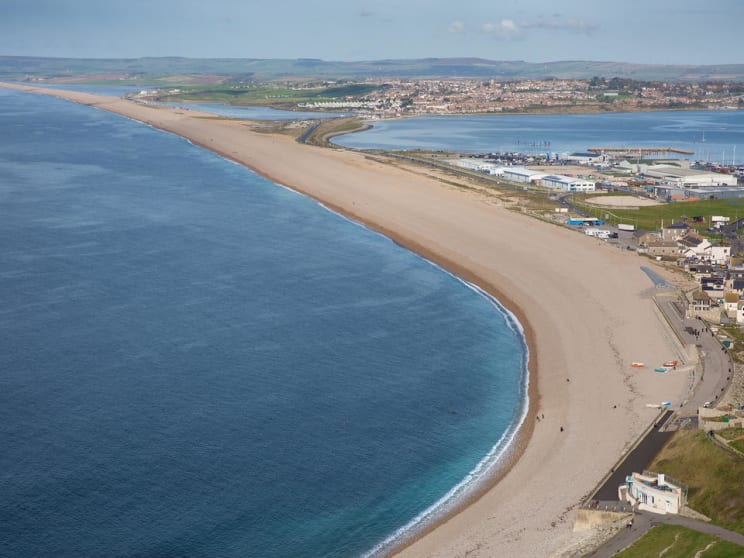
x=586 y=309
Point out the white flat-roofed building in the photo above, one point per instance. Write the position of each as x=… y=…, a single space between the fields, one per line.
x=720 y=255
x=653 y=492
x=568 y=183
x=479 y=165
x=522 y=174
x=689 y=177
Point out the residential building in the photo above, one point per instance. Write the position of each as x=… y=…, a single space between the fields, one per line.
x=737 y=285
x=675 y=231
x=662 y=248
x=700 y=303
x=653 y=492
x=643 y=238
x=713 y=286
x=694 y=246
x=731 y=303
x=719 y=255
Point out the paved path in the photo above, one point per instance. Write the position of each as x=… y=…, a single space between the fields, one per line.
x=643 y=521
x=715 y=362
x=636 y=460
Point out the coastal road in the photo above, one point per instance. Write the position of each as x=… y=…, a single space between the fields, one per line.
x=643 y=521
x=713 y=374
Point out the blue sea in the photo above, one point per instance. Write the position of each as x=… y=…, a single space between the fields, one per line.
x=197 y=362
x=712 y=135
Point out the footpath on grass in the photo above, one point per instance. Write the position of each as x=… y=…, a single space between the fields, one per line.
x=643 y=521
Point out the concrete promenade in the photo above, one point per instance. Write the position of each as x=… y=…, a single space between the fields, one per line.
x=636 y=460
x=713 y=374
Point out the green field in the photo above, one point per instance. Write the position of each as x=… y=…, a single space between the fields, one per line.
x=673 y=541
x=651 y=218
x=269 y=94
x=714 y=476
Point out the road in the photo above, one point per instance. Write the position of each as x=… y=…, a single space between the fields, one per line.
x=643 y=521
x=713 y=374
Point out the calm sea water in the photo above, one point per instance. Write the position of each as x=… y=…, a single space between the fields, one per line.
x=196 y=362
x=711 y=135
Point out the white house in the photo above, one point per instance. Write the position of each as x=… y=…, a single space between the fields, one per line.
x=568 y=183
x=740 y=312
x=653 y=492
x=731 y=304
x=693 y=245
x=719 y=255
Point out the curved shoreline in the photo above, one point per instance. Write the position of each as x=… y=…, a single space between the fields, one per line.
x=524 y=428
x=508 y=256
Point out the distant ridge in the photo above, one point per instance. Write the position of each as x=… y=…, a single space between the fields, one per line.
x=21 y=67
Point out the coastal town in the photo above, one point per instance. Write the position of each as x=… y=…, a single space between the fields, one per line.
x=395 y=97
x=472 y=96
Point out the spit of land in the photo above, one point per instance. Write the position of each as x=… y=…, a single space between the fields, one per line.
x=586 y=309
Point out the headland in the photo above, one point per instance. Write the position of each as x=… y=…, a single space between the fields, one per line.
x=586 y=310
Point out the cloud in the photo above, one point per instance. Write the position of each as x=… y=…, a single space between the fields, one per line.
x=366 y=13
x=570 y=25
x=508 y=29
x=505 y=29
x=456 y=26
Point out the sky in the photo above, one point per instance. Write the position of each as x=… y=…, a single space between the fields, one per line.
x=638 y=31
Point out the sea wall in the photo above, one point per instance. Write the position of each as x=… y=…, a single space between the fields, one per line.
x=592 y=519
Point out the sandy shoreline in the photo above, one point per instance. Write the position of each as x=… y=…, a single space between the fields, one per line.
x=585 y=310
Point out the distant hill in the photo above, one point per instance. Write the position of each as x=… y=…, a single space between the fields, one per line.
x=22 y=67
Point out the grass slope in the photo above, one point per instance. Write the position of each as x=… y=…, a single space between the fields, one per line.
x=673 y=541
x=714 y=476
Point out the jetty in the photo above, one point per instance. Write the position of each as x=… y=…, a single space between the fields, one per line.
x=638 y=151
